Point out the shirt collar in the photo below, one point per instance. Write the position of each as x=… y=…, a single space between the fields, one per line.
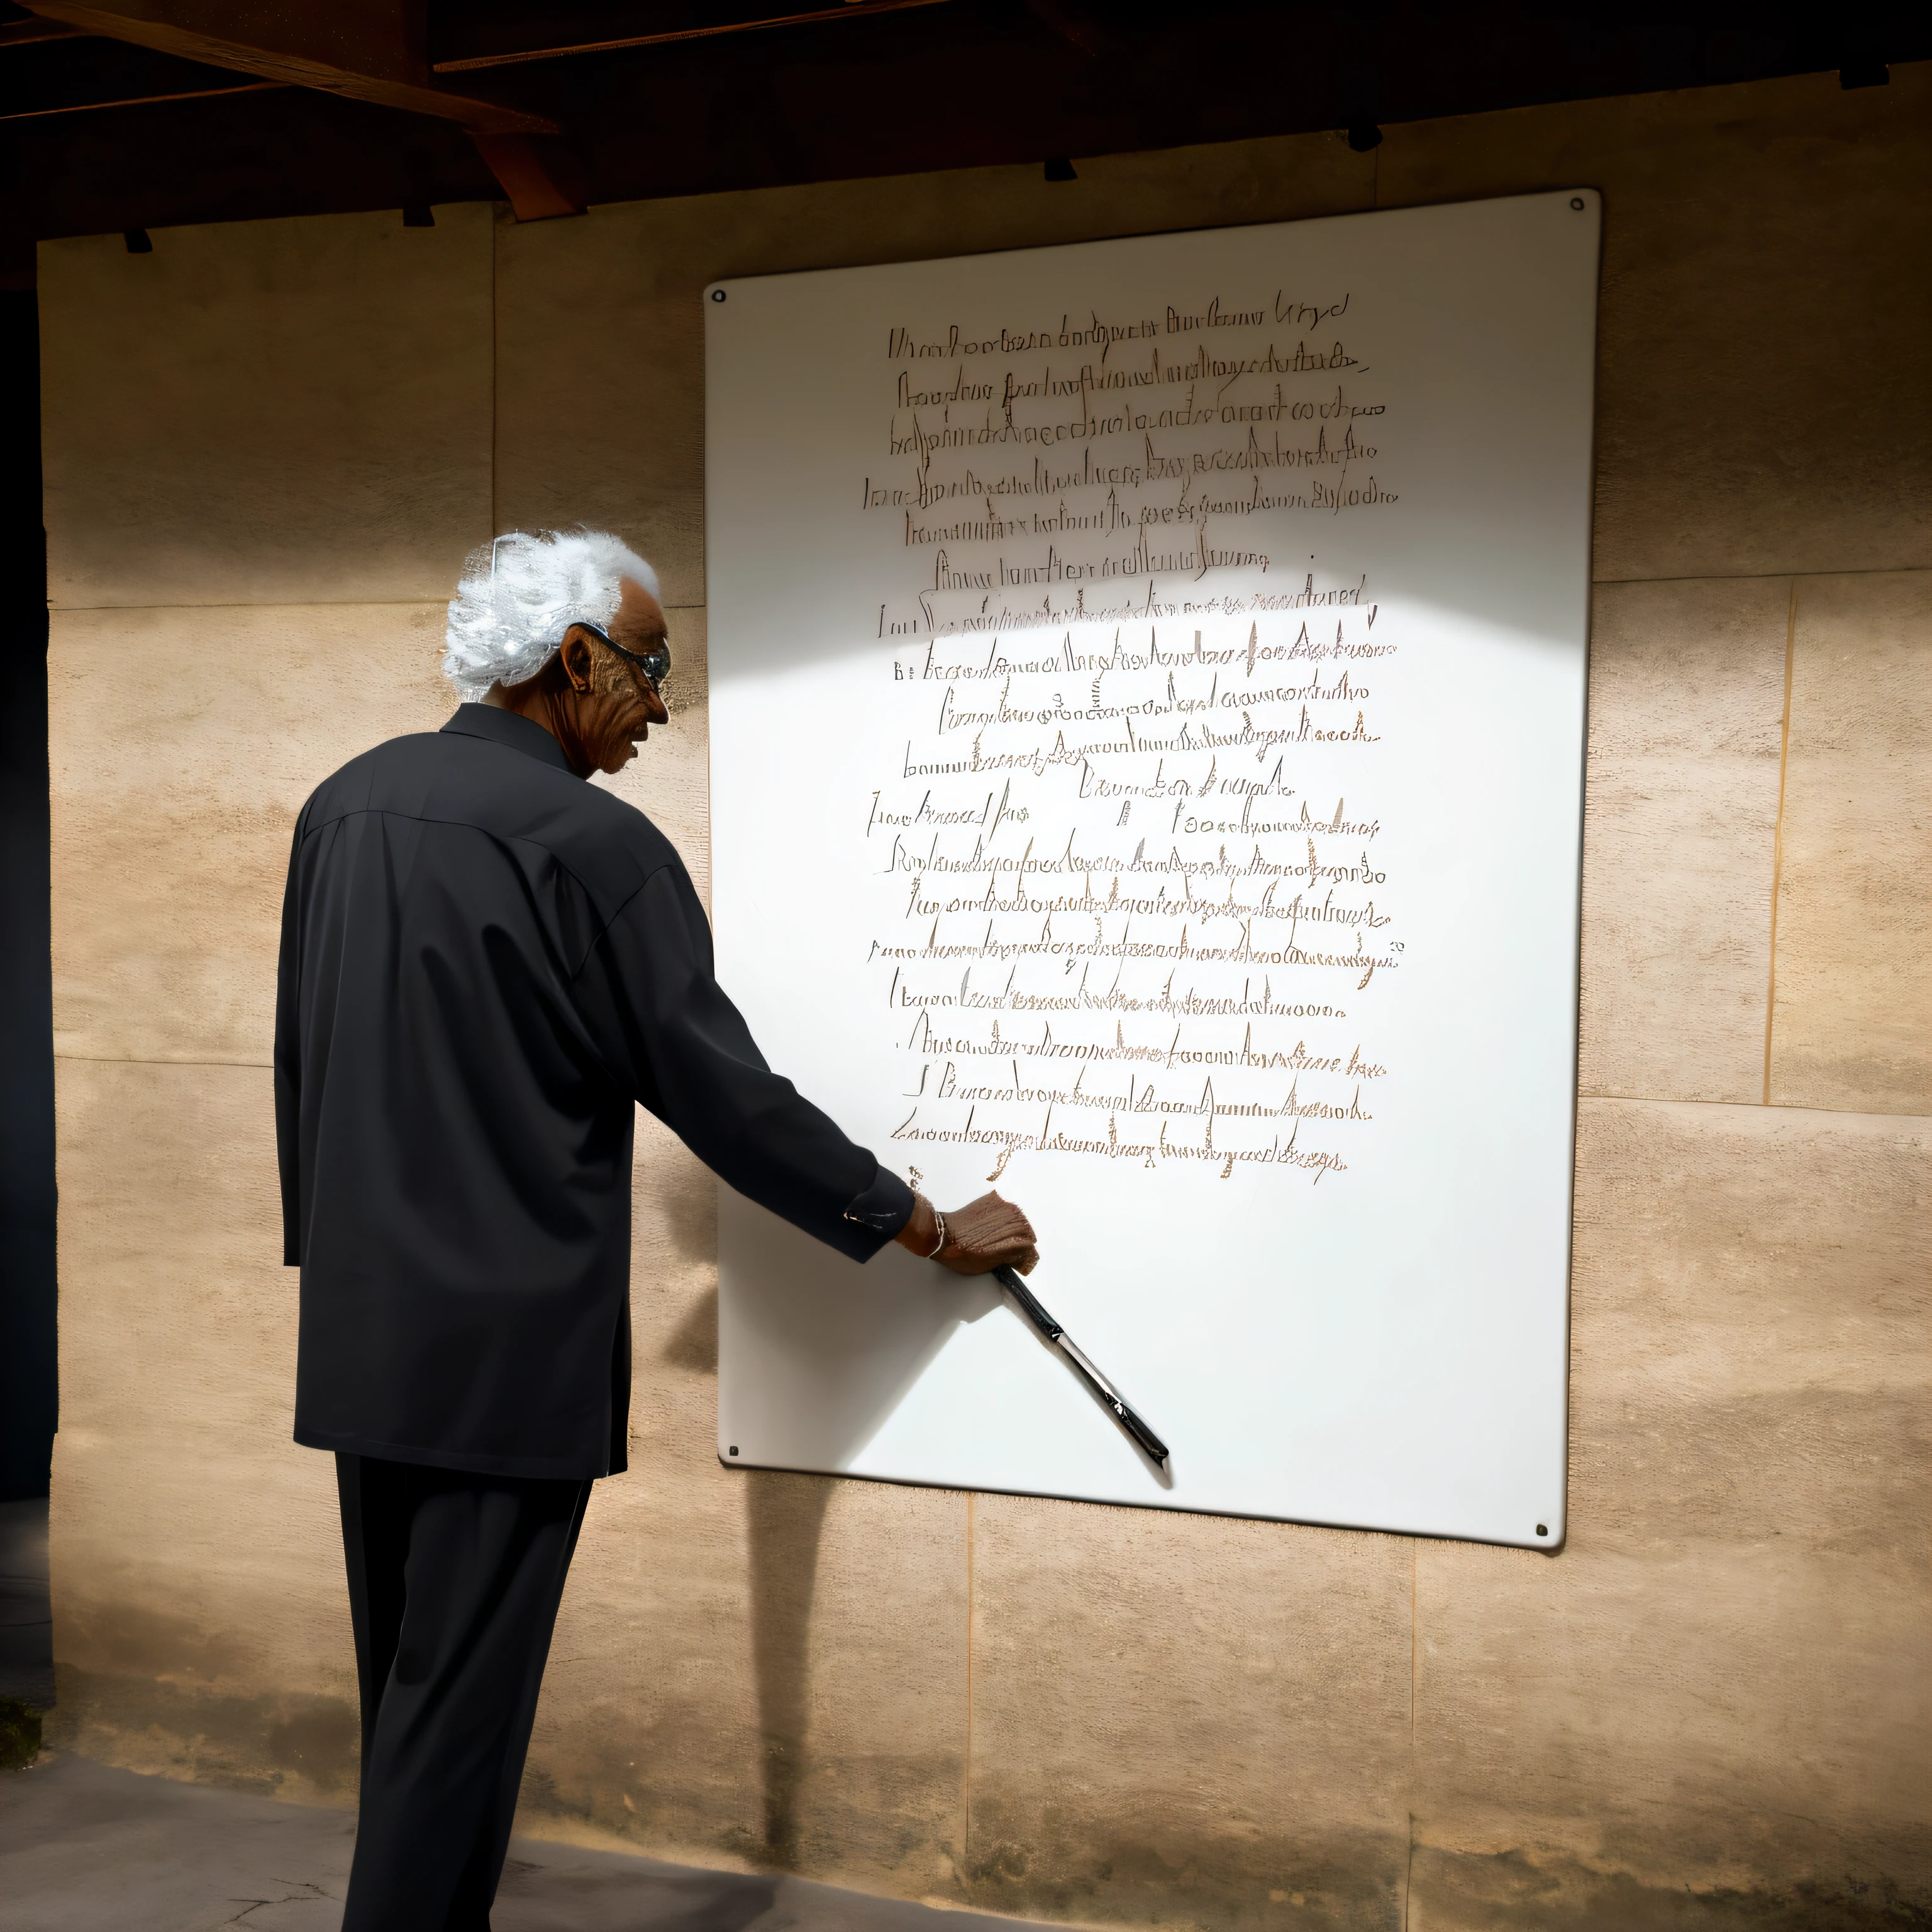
x=508 y=727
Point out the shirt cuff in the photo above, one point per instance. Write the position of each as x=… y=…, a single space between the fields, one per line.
x=885 y=1207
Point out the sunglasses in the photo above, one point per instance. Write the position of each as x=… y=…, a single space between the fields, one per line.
x=655 y=665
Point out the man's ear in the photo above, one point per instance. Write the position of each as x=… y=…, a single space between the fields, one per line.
x=574 y=654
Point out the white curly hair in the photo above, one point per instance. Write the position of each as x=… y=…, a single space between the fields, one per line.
x=518 y=595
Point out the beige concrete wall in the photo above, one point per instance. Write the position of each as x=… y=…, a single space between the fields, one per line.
x=267 y=446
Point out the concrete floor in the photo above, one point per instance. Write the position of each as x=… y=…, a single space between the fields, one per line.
x=86 y=1849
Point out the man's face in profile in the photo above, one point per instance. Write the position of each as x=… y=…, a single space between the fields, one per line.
x=616 y=713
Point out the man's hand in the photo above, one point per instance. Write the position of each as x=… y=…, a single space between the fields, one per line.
x=980 y=1237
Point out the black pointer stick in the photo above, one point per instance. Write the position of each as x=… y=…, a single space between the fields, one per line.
x=1051 y=1332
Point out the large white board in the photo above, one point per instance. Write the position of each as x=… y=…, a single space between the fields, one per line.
x=1146 y=723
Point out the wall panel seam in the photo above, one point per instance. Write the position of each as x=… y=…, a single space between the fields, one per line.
x=1627 y=1100
x=1752 y=1107
x=283 y=604
x=141 y=1059
x=1777 y=835
x=268 y=603
x=1765 y=576
x=966 y=1769
x=495 y=359
x=409 y=603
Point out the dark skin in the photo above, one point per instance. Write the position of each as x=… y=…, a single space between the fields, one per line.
x=600 y=709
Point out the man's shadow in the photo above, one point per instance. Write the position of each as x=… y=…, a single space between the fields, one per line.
x=826 y=1351
x=590 y=1890
x=784 y=1520
x=818 y=1352
x=784 y=1517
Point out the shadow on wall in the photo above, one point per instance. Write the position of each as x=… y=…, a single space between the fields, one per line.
x=785 y=1518
x=824 y=1352
x=693 y=1345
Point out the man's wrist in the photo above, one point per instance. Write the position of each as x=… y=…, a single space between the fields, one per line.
x=923 y=1230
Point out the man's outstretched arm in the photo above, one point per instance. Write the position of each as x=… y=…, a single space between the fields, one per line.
x=649 y=986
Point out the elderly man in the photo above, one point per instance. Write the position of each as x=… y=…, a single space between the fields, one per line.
x=486 y=964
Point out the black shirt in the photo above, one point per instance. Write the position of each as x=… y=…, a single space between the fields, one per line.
x=485 y=964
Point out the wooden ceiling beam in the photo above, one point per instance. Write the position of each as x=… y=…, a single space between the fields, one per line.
x=757 y=110
x=852 y=10
x=37 y=33
x=366 y=50
x=147 y=100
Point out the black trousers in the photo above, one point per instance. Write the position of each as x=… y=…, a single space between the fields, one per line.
x=453 y=1583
